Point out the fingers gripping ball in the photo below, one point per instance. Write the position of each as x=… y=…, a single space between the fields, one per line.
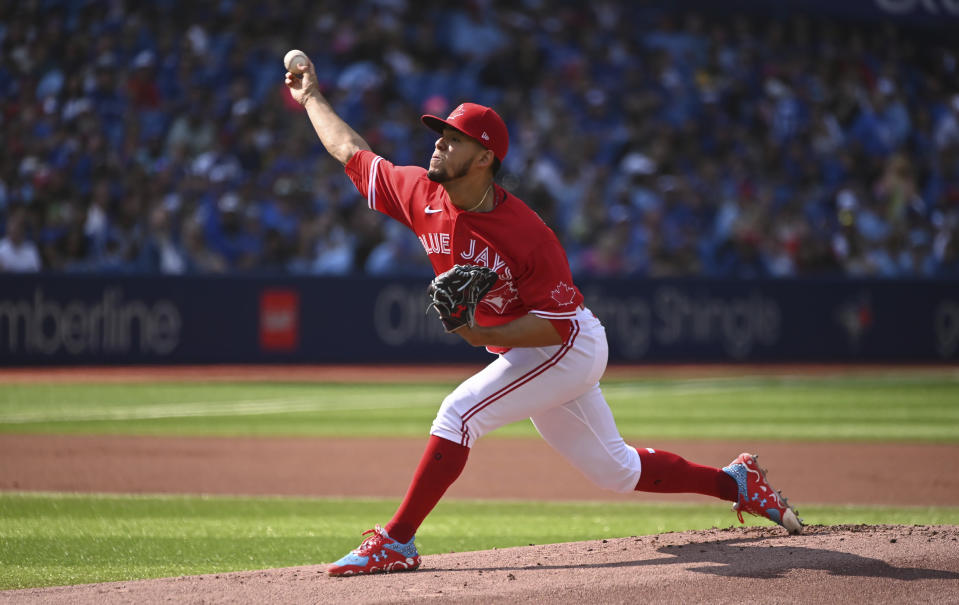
x=455 y=294
x=295 y=62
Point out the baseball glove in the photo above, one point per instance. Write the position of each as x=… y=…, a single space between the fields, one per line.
x=455 y=294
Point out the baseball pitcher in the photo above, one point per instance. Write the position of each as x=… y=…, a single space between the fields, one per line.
x=503 y=282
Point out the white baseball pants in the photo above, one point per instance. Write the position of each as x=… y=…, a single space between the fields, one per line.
x=558 y=389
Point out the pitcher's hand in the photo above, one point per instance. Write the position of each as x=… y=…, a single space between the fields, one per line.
x=303 y=84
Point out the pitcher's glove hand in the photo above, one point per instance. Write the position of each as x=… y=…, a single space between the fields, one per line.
x=455 y=294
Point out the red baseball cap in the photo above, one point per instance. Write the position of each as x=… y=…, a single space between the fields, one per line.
x=477 y=121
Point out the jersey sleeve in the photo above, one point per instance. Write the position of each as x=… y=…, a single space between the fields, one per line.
x=547 y=286
x=387 y=188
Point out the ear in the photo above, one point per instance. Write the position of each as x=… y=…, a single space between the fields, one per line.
x=485 y=158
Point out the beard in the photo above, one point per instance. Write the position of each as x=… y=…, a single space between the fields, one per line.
x=445 y=175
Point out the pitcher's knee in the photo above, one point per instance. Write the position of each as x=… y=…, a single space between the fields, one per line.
x=448 y=431
x=619 y=473
x=449 y=425
x=619 y=479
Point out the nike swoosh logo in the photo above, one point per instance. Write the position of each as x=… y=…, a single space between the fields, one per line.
x=433 y=210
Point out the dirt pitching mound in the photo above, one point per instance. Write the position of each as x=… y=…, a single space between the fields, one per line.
x=851 y=563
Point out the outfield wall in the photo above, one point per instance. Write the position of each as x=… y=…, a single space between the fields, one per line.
x=52 y=320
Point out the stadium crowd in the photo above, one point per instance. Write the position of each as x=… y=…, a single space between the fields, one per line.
x=157 y=137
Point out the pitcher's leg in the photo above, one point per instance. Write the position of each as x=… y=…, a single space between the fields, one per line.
x=584 y=432
x=441 y=464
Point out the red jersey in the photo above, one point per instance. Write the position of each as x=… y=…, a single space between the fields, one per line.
x=534 y=275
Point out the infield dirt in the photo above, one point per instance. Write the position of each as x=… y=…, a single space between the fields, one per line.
x=839 y=564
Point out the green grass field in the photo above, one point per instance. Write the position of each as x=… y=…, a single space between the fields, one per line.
x=53 y=539
x=894 y=407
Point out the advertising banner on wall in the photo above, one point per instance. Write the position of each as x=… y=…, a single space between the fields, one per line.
x=48 y=320
x=792 y=320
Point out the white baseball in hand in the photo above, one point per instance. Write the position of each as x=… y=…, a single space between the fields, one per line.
x=295 y=61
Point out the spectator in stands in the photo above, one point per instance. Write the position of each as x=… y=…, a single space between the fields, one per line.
x=162 y=250
x=18 y=254
x=201 y=258
x=730 y=146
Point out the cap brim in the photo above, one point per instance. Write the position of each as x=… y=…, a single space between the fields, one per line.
x=437 y=124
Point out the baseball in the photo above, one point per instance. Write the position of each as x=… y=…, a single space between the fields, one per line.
x=295 y=59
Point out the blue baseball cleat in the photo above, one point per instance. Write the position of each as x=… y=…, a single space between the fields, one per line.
x=377 y=554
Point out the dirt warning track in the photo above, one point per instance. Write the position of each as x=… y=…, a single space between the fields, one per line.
x=820 y=473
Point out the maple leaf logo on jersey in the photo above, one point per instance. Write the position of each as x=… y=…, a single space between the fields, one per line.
x=500 y=298
x=563 y=294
